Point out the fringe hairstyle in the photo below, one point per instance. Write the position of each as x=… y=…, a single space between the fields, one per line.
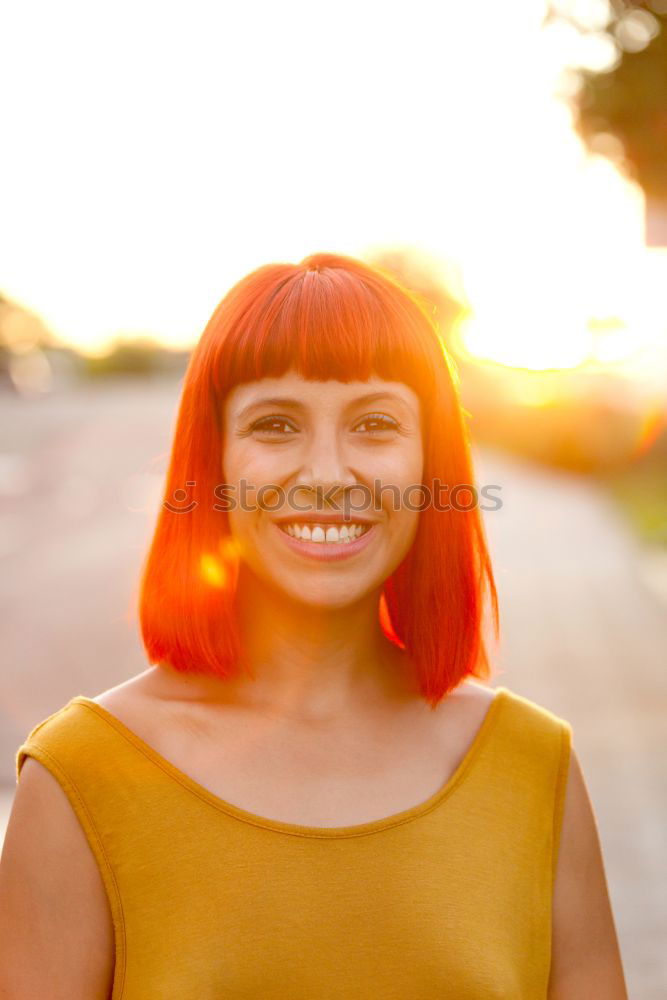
x=329 y=317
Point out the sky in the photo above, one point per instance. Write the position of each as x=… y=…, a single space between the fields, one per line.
x=155 y=153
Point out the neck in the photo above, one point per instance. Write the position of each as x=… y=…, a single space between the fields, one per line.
x=306 y=663
x=317 y=663
x=311 y=664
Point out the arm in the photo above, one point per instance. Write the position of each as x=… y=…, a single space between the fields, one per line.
x=586 y=960
x=56 y=932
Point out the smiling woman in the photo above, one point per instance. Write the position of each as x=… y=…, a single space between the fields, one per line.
x=307 y=794
x=288 y=336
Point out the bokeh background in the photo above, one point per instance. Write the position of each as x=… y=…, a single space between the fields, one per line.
x=508 y=162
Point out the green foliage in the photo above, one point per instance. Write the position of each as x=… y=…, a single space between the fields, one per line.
x=641 y=492
x=140 y=357
x=629 y=100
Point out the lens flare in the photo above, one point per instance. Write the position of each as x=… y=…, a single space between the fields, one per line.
x=213 y=571
x=654 y=421
x=221 y=569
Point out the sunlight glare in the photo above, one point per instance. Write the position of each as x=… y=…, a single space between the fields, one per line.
x=213 y=571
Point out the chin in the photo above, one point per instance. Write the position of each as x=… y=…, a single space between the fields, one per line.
x=323 y=596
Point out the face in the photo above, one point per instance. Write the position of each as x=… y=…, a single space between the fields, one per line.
x=332 y=437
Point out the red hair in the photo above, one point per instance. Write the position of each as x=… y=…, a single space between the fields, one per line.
x=329 y=317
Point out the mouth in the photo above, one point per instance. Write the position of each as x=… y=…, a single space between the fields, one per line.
x=326 y=541
x=325 y=533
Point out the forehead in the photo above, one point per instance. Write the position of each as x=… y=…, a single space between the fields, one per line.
x=293 y=390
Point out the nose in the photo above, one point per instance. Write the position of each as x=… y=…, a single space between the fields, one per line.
x=325 y=464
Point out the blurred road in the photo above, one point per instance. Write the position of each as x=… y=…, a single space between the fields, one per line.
x=80 y=477
x=585 y=637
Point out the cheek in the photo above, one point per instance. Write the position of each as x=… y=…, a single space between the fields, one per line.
x=246 y=472
x=242 y=461
x=407 y=476
x=403 y=469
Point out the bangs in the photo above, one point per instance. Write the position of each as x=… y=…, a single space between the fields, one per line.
x=330 y=323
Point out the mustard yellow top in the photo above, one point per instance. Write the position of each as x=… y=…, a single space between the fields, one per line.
x=450 y=898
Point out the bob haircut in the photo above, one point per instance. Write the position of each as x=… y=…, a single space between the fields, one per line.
x=329 y=317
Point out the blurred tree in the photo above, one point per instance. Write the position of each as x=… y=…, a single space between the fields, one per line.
x=24 y=342
x=140 y=356
x=21 y=329
x=627 y=100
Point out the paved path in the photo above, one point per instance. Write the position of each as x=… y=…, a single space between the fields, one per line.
x=582 y=634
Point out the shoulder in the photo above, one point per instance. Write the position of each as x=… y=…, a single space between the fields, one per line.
x=52 y=741
x=61 y=736
x=68 y=742
x=141 y=696
x=533 y=735
x=148 y=708
x=135 y=690
x=529 y=725
x=527 y=710
x=536 y=740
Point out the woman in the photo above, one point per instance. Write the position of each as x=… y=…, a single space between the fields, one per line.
x=308 y=794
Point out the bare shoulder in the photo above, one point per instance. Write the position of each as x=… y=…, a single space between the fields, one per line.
x=458 y=719
x=586 y=958
x=157 y=686
x=139 y=704
x=52 y=899
x=480 y=695
x=165 y=713
x=135 y=691
x=469 y=703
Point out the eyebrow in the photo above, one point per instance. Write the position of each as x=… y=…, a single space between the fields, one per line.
x=296 y=404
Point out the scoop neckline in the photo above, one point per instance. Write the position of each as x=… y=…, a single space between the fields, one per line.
x=280 y=826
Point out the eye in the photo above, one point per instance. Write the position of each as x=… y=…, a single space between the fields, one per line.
x=271 y=425
x=381 y=422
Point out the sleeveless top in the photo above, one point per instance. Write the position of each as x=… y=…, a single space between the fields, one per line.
x=449 y=898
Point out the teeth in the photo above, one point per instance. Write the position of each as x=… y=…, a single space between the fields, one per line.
x=325 y=533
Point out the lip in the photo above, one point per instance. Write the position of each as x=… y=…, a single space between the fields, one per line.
x=328 y=551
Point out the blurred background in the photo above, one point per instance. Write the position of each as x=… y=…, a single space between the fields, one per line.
x=508 y=162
